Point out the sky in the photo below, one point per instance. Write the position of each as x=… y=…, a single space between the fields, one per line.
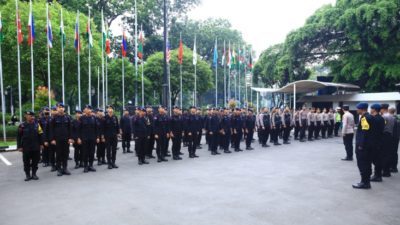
x=262 y=22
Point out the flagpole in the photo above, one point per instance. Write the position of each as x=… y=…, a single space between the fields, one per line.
x=136 y=58
x=229 y=70
x=48 y=58
x=32 y=67
x=79 y=63
x=62 y=58
x=251 y=77
x=98 y=87
x=123 y=83
x=216 y=74
x=102 y=58
x=245 y=74
x=180 y=70
x=90 y=73
x=19 y=63
x=224 y=63
x=106 y=71
x=240 y=102
x=195 y=72
x=3 y=106
x=142 y=44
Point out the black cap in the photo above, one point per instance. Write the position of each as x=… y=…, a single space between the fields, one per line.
x=385 y=106
x=29 y=112
x=78 y=111
x=125 y=109
x=110 y=106
x=45 y=108
x=60 y=104
x=346 y=107
x=88 y=107
x=53 y=108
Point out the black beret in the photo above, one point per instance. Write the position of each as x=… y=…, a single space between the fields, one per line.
x=385 y=106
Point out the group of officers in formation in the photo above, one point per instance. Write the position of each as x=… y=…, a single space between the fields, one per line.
x=95 y=134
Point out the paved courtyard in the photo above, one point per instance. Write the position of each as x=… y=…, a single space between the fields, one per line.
x=301 y=183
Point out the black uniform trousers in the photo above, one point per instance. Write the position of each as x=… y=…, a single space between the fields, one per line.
x=296 y=129
x=395 y=156
x=236 y=140
x=62 y=153
x=192 y=140
x=387 y=155
x=249 y=138
x=317 y=130
x=213 y=142
x=311 y=131
x=325 y=129
x=377 y=160
x=226 y=139
x=286 y=133
x=198 y=137
x=52 y=154
x=337 y=126
x=78 y=154
x=330 y=128
x=88 y=149
x=150 y=145
x=176 y=144
x=126 y=141
x=101 y=151
x=348 y=145
x=31 y=160
x=162 y=145
x=111 y=146
x=364 y=163
x=275 y=133
x=140 y=147
x=45 y=154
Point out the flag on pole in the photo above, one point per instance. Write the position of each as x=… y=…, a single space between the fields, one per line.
x=223 y=60
x=103 y=31
x=180 y=52
x=49 y=32
x=77 y=39
x=31 y=27
x=229 y=58
x=62 y=32
x=20 y=36
x=168 y=52
x=250 y=62
x=89 y=33
x=124 y=45
x=194 y=52
x=108 y=42
x=215 y=58
x=1 y=30
x=233 y=60
x=141 y=43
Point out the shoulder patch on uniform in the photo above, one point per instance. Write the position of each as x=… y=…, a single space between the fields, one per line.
x=364 y=124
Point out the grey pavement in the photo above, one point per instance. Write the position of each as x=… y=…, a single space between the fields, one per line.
x=301 y=183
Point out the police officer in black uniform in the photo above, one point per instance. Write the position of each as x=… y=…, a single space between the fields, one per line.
x=111 y=133
x=161 y=133
x=150 y=142
x=377 y=139
x=61 y=138
x=192 y=125
x=213 y=128
x=237 y=127
x=126 y=130
x=101 y=146
x=226 y=130
x=365 y=145
x=89 y=138
x=141 y=135
x=249 y=127
x=29 y=142
x=176 y=133
x=287 y=125
x=44 y=124
x=76 y=123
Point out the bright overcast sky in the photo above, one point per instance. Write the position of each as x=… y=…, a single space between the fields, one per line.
x=262 y=22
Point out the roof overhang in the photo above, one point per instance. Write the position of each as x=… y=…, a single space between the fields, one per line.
x=307 y=86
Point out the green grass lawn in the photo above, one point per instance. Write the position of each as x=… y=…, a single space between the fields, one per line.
x=7 y=143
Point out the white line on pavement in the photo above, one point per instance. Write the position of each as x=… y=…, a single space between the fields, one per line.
x=5 y=160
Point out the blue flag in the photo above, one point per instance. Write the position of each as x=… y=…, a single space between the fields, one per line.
x=215 y=60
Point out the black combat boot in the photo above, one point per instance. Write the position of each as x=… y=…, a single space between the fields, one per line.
x=34 y=176
x=27 y=176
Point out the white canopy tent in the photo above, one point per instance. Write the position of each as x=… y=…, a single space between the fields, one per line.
x=304 y=86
